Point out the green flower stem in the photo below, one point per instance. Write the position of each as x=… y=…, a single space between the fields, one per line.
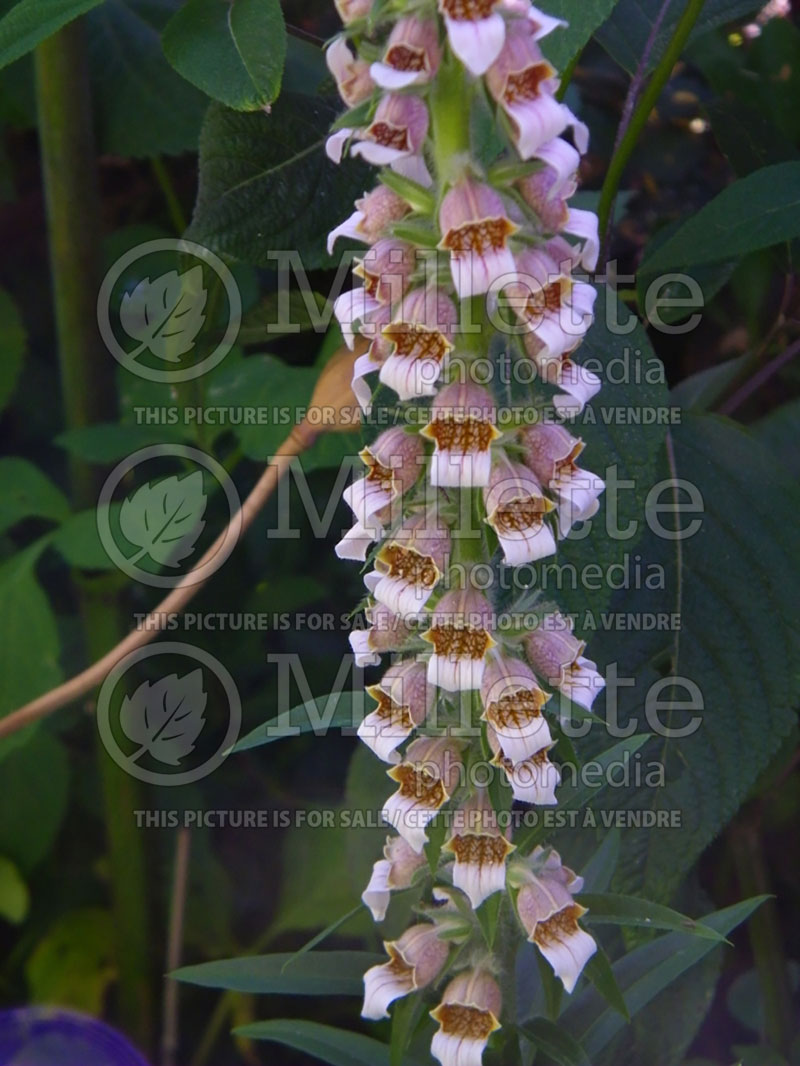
x=639 y=118
x=73 y=222
x=449 y=103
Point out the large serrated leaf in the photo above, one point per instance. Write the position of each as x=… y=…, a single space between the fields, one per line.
x=266 y=183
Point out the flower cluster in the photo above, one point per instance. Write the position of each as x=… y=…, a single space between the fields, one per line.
x=473 y=265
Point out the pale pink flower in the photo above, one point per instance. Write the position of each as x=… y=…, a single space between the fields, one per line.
x=404 y=699
x=550 y=916
x=477 y=29
x=512 y=706
x=386 y=632
x=552 y=452
x=412 y=54
x=460 y=633
x=524 y=85
x=415 y=960
x=557 y=657
x=386 y=268
x=352 y=10
x=475 y=230
x=462 y=428
x=516 y=509
x=410 y=565
x=479 y=848
x=420 y=333
x=373 y=215
x=467 y=1016
x=398 y=129
x=427 y=777
x=356 y=542
x=533 y=779
x=352 y=74
x=394 y=463
x=393 y=873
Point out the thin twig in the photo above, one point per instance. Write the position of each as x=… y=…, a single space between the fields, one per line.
x=759 y=378
x=177 y=913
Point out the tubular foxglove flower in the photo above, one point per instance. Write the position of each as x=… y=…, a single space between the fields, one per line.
x=373 y=215
x=386 y=268
x=462 y=428
x=475 y=231
x=517 y=510
x=551 y=452
x=533 y=779
x=393 y=462
x=415 y=960
x=467 y=1016
x=412 y=54
x=398 y=129
x=480 y=850
x=427 y=777
x=512 y=706
x=404 y=699
x=420 y=334
x=386 y=632
x=460 y=634
x=410 y=565
x=352 y=74
x=393 y=873
x=557 y=657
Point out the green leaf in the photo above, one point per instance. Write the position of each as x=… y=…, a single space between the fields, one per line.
x=754 y=212
x=25 y=492
x=555 y=1042
x=79 y=542
x=584 y=17
x=336 y=710
x=29 y=643
x=702 y=390
x=625 y=34
x=74 y=964
x=266 y=183
x=599 y=870
x=339 y=1047
x=316 y=973
x=612 y=909
x=32 y=21
x=598 y=970
x=108 y=442
x=234 y=51
x=143 y=106
x=14 y=898
x=645 y=972
x=777 y=431
x=37 y=776
x=12 y=347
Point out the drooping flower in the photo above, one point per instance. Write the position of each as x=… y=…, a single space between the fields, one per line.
x=480 y=850
x=516 y=509
x=411 y=56
x=512 y=706
x=462 y=427
x=353 y=79
x=373 y=215
x=398 y=129
x=524 y=84
x=467 y=1017
x=460 y=633
x=420 y=333
x=551 y=452
x=550 y=916
x=427 y=777
x=476 y=29
x=393 y=873
x=533 y=779
x=415 y=960
x=557 y=657
x=386 y=632
x=393 y=462
x=386 y=268
x=352 y=10
x=404 y=699
x=475 y=231
x=410 y=565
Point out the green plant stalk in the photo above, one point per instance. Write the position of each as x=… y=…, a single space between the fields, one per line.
x=73 y=223
x=449 y=105
x=764 y=928
x=649 y=98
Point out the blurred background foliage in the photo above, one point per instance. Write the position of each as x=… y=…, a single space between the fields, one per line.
x=85 y=900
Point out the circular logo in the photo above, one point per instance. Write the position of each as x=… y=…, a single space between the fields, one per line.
x=159 y=294
x=160 y=523
x=166 y=730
